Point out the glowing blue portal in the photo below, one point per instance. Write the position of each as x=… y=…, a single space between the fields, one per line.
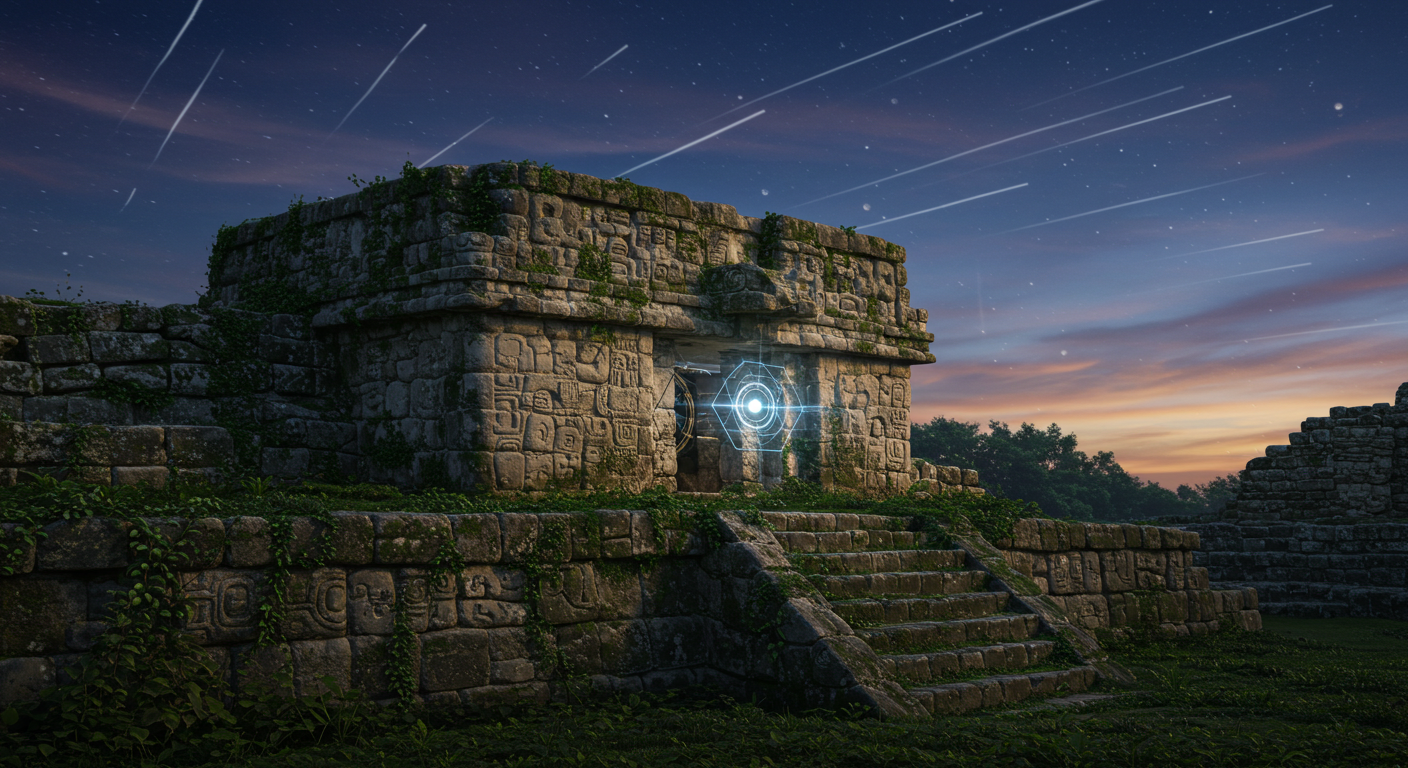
x=757 y=406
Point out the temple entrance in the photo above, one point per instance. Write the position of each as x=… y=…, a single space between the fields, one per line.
x=696 y=438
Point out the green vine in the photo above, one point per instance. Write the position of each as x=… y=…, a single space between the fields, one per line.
x=769 y=240
x=593 y=263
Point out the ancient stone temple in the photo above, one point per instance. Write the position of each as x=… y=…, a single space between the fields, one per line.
x=504 y=326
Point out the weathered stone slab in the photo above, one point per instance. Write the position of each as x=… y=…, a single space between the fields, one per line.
x=24 y=678
x=83 y=544
x=409 y=538
x=454 y=659
x=120 y=347
x=478 y=537
x=35 y=614
x=199 y=446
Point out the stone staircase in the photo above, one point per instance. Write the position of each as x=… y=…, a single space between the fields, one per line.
x=939 y=625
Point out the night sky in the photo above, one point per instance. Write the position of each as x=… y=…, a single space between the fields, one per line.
x=1123 y=326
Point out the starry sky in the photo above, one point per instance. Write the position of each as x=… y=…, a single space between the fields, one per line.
x=1176 y=257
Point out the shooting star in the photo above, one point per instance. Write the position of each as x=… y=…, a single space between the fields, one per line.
x=692 y=143
x=1126 y=205
x=1327 y=330
x=377 y=80
x=945 y=205
x=1183 y=56
x=159 y=63
x=453 y=143
x=185 y=108
x=986 y=146
x=603 y=63
x=1239 y=245
x=1229 y=277
x=994 y=40
x=843 y=66
x=1083 y=138
x=129 y=200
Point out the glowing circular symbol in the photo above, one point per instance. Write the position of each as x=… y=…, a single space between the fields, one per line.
x=757 y=407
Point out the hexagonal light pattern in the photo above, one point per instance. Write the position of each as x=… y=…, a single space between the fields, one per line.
x=757 y=407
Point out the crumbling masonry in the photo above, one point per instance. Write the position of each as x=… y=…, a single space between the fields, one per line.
x=506 y=326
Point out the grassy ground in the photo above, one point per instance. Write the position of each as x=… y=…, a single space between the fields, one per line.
x=1305 y=692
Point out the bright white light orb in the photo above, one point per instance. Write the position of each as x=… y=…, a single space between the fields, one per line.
x=755 y=406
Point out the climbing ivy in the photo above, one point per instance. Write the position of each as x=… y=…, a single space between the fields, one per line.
x=769 y=240
x=593 y=263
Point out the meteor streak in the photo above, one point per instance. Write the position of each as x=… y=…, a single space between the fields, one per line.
x=378 y=79
x=1239 y=245
x=187 y=107
x=129 y=200
x=1126 y=205
x=603 y=63
x=995 y=39
x=453 y=143
x=1087 y=138
x=985 y=146
x=1229 y=277
x=159 y=63
x=692 y=143
x=1183 y=56
x=945 y=205
x=843 y=66
x=1327 y=330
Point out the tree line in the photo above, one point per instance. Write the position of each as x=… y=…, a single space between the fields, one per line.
x=1045 y=466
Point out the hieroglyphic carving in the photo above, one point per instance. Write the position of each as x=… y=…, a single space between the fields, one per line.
x=224 y=605
x=316 y=604
x=372 y=602
x=429 y=599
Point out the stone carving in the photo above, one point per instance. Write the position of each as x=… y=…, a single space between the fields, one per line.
x=224 y=606
x=372 y=602
x=316 y=604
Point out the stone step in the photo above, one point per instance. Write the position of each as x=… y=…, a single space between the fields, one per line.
x=952 y=698
x=971 y=605
x=941 y=635
x=919 y=668
x=916 y=583
x=817 y=522
x=888 y=561
x=848 y=541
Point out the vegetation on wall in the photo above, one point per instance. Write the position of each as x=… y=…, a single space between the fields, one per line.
x=1045 y=467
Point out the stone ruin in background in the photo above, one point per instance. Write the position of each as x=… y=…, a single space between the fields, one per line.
x=1320 y=526
x=503 y=326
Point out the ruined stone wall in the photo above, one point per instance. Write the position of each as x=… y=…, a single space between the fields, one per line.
x=1113 y=576
x=504 y=327
x=122 y=394
x=1352 y=463
x=1320 y=526
x=1304 y=569
x=720 y=616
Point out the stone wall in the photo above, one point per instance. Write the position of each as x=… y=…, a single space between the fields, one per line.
x=503 y=327
x=1320 y=526
x=516 y=327
x=1351 y=463
x=1303 y=569
x=721 y=617
x=122 y=394
x=1112 y=576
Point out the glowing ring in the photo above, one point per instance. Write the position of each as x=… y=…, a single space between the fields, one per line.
x=756 y=405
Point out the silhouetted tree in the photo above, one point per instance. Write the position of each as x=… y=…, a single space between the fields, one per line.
x=1046 y=467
